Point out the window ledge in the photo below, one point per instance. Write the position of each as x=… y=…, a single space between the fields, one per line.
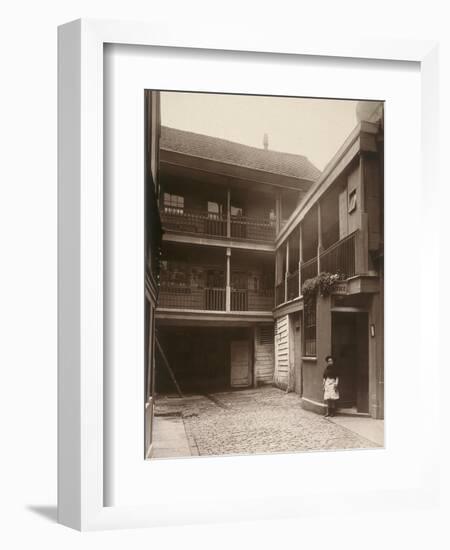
x=309 y=358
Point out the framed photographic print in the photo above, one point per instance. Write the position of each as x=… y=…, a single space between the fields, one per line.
x=232 y=292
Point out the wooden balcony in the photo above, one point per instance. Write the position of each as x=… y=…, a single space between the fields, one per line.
x=194 y=222
x=292 y=286
x=202 y=223
x=309 y=269
x=279 y=294
x=253 y=229
x=214 y=299
x=340 y=258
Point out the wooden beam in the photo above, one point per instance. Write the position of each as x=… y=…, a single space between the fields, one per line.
x=228 y=282
x=168 y=367
x=286 y=272
x=228 y=213
x=300 y=258
x=173 y=237
x=202 y=169
x=278 y=213
x=319 y=235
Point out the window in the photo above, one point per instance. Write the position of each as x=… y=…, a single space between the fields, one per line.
x=239 y=280
x=266 y=335
x=214 y=210
x=173 y=204
x=215 y=278
x=174 y=274
x=236 y=211
x=352 y=201
x=309 y=323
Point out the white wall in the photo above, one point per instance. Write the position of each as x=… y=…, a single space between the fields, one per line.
x=28 y=274
x=282 y=352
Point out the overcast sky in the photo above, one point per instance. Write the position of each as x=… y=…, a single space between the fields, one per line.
x=312 y=127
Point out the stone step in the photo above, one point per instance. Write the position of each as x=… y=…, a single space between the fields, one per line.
x=352 y=412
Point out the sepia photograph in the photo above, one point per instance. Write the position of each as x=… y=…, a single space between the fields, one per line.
x=264 y=302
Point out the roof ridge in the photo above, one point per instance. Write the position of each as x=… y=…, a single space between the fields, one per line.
x=238 y=143
x=232 y=152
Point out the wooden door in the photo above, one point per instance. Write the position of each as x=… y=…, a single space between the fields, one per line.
x=239 y=293
x=350 y=351
x=344 y=351
x=240 y=364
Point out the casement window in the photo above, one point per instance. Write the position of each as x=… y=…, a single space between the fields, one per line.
x=309 y=329
x=214 y=210
x=173 y=204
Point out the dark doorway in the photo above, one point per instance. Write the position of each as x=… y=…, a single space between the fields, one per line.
x=350 y=346
x=200 y=358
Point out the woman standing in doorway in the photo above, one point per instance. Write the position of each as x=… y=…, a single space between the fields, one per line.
x=330 y=386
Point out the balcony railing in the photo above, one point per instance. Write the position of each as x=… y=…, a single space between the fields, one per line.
x=239 y=299
x=309 y=269
x=214 y=299
x=340 y=257
x=199 y=222
x=195 y=222
x=254 y=229
x=260 y=300
x=185 y=297
x=292 y=285
x=279 y=294
x=182 y=297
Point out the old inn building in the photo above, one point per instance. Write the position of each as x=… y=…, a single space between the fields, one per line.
x=243 y=229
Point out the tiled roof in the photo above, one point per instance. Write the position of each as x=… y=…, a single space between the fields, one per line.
x=230 y=152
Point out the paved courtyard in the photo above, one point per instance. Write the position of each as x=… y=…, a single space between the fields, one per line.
x=252 y=421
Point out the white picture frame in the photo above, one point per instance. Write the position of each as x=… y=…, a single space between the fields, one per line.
x=81 y=481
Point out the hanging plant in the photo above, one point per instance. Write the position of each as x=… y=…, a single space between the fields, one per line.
x=320 y=284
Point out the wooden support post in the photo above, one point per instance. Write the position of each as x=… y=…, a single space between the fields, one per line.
x=319 y=235
x=228 y=213
x=362 y=236
x=255 y=344
x=286 y=272
x=228 y=283
x=277 y=276
x=169 y=368
x=277 y=255
x=362 y=190
x=300 y=258
x=362 y=246
x=278 y=213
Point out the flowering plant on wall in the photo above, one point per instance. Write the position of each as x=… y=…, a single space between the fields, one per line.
x=321 y=284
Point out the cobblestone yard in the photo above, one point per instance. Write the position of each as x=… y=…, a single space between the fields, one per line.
x=255 y=421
